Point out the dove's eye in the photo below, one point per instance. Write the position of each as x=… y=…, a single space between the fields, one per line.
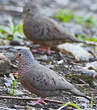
x=19 y=54
x=28 y=9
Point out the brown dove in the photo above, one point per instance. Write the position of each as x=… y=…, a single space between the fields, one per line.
x=42 y=29
x=41 y=80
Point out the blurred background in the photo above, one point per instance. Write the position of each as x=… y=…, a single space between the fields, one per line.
x=15 y=7
x=76 y=16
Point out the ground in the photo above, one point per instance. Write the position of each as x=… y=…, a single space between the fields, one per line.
x=68 y=68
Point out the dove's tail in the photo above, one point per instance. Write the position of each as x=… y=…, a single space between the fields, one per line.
x=78 y=93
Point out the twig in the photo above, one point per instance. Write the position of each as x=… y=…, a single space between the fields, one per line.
x=90 y=43
x=29 y=98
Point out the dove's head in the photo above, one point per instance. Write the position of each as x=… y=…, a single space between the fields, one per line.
x=25 y=56
x=31 y=9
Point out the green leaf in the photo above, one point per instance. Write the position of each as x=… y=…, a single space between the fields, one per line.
x=4 y=30
x=91 y=105
x=12 y=31
x=14 y=82
x=60 y=15
x=64 y=15
x=20 y=28
x=69 y=104
x=92 y=39
x=81 y=37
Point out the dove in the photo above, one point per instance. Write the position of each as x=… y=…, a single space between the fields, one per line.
x=44 y=30
x=40 y=80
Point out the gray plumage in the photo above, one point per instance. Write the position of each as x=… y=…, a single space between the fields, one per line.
x=43 y=29
x=41 y=80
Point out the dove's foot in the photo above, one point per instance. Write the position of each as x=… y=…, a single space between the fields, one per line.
x=38 y=102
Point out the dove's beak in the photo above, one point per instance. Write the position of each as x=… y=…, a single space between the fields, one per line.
x=16 y=57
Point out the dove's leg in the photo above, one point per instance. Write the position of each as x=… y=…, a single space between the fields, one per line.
x=38 y=102
x=47 y=50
